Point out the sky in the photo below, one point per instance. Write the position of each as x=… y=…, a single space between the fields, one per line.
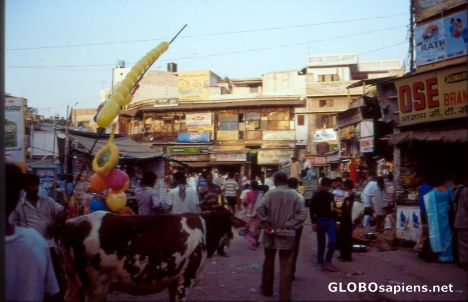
x=60 y=52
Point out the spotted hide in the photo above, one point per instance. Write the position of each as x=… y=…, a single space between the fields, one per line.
x=140 y=255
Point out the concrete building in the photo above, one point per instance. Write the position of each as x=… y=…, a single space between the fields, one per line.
x=327 y=79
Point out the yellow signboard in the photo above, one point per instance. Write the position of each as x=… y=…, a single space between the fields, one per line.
x=433 y=96
x=194 y=85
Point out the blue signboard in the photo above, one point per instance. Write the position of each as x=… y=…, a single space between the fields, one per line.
x=193 y=137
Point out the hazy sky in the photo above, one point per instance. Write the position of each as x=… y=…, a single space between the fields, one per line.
x=59 y=52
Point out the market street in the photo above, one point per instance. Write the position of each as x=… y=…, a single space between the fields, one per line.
x=237 y=277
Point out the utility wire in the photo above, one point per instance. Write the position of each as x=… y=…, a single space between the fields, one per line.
x=223 y=53
x=203 y=35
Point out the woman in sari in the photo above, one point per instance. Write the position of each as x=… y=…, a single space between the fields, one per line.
x=438 y=204
x=251 y=203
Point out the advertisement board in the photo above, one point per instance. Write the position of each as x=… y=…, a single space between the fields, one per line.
x=441 y=39
x=408 y=225
x=324 y=135
x=317 y=160
x=198 y=119
x=279 y=135
x=15 y=129
x=191 y=157
x=432 y=96
x=227 y=135
x=194 y=85
x=186 y=150
x=166 y=103
x=228 y=156
x=193 y=137
x=366 y=145
x=274 y=157
x=47 y=180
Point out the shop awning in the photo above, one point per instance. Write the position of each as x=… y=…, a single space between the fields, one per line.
x=128 y=148
x=442 y=136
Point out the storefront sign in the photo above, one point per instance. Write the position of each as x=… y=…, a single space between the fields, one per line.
x=278 y=135
x=408 y=223
x=228 y=156
x=186 y=150
x=253 y=135
x=317 y=160
x=184 y=158
x=324 y=135
x=433 y=96
x=198 y=119
x=366 y=144
x=14 y=129
x=274 y=157
x=366 y=128
x=166 y=103
x=428 y=8
x=227 y=135
x=193 y=137
x=441 y=39
x=194 y=85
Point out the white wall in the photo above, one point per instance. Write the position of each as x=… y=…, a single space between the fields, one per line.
x=283 y=83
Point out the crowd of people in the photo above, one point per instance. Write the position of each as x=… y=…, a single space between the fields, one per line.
x=272 y=204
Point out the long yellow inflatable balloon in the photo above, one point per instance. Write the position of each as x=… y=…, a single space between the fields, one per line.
x=122 y=96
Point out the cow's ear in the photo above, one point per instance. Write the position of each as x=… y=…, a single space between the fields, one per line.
x=237 y=222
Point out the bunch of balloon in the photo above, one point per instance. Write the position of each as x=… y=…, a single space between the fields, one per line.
x=109 y=180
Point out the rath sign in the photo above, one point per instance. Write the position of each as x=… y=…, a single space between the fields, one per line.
x=433 y=96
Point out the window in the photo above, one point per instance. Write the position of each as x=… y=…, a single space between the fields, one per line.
x=252 y=116
x=325 y=103
x=253 y=89
x=278 y=125
x=278 y=116
x=301 y=120
x=228 y=122
x=327 y=78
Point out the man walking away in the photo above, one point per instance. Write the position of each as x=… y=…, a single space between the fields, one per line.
x=231 y=192
x=293 y=184
x=323 y=222
x=281 y=212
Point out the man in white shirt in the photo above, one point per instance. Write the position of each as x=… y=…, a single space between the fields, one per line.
x=28 y=266
x=269 y=181
x=182 y=199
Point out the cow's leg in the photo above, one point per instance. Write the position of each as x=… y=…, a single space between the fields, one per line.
x=100 y=285
x=73 y=292
x=173 y=291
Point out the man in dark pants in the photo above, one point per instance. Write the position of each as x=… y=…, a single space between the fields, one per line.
x=323 y=222
x=293 y=183
x=281 y=212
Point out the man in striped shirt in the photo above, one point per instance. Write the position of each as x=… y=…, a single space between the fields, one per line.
x=231 y=192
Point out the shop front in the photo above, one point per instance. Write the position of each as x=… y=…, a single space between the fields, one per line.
x=432 y=136
x=196 y=158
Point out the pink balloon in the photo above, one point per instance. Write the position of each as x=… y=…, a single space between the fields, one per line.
x=116 y=179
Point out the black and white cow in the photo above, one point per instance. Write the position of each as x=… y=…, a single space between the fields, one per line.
x=140 y=255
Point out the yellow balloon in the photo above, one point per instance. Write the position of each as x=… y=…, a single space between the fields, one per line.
x=108 y=113
x=133 y=76
x=116 y=201
x=127 y=83
x=127 y=100
x=163 y=46
x=118 y=98
x=106 y=159
x=137 y=68
x=122 y=90
x=147 y=61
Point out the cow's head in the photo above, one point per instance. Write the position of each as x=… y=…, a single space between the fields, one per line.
x=219 y=223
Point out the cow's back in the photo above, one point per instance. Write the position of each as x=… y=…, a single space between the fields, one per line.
x=139 y=254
